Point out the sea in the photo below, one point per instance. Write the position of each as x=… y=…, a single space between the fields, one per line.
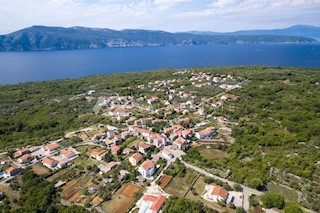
x=18 y=67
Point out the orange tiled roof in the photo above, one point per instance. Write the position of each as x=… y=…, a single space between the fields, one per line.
x=157 y=202
x=147 y=164
x=218 y=190
x=48 y=160
x=52 y=146
x=136 y=156
x=144 y=145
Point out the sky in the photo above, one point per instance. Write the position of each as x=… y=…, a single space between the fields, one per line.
x=168 y=15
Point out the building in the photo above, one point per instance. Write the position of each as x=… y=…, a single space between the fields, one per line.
x=67 y=153
x=21 y=152
x=135 y=159
x=147 y=168
x=51 y=147
x=157 y=139
x=153 y=100
x=143 y=147
x=180 y=142
x=111 y=165
x=206 y=132
x=98 y=154
x=218 y=194
x=115 y=150
x=167 y=154
x=13 y=170
x=49 y=162
x=151 y=203
x=25 y=158
x=126 y=151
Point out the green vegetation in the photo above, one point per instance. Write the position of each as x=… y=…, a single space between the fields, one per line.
x=271 y=200
x=177 y=205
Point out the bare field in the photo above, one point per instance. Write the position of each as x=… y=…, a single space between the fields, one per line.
x=213 y=154
x=122 y=199
x=40 y=170
x=165 y=180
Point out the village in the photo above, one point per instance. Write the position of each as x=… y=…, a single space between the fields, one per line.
x=136 y=162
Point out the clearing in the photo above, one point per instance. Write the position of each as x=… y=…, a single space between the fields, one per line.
x=212 y=154
x=40 y=170
x=178 y=186
x=289 y=194
x=122 y=200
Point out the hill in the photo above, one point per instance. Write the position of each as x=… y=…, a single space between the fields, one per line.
x=306 y=31
x=59 y=38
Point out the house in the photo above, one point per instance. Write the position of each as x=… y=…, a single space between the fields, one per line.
x=98 y=154
x=187 y=133
x=167 y=154
x=111 y=133
x=62 y=163
x=67 y=153
x=49 y=162
x=206 y=132
x=218 y=194
x=111 y=165
x=135 y=159
x=142 y=121
x=25 y=158
x=153 y=100
x=157 y=139
x=217 y=104
x=126 y=151
x=147 y=168
x=228 y=96
x=151 y=203
x=180 y=142
x=13 y=170
x=21 y=152
x=51 y=147
x=143 y=147
x=184 y=120
x=201 y=111
x=172 y=129
x=115 y=150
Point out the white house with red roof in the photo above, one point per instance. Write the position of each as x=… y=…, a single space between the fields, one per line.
x=206 y=132
x=25 y=158
x=147 y=168
x=153 y=100
x=49 y=162
x=21 y=152
x=51 y=147
x=151 y=203
x=68 y=154
x=180 y=142
x=215 y=193
x=143 y=147
x=135 y=159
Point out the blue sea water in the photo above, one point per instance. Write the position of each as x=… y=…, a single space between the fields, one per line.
x=18 y=67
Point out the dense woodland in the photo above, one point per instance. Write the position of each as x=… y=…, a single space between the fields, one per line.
x=278 y=116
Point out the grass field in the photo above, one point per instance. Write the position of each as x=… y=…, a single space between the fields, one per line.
x=40 y=170
x=212 y=153
x=11 y=194
x=122 y=200
x=58 y=175
x=287 y=193
x=135 y=142
x=178 y=186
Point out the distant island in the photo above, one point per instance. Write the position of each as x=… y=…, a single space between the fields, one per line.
x=37 y=38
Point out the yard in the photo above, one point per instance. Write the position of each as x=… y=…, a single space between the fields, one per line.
x=289 y=194
x=135 y=142
x=178 y=186
x=199 y=187
x=212 y=154
x=40 y=170
x=122 y=200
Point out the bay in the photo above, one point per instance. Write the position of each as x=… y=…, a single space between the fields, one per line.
x=16 y=67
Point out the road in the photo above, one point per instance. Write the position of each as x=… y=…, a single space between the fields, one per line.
x=246 y=190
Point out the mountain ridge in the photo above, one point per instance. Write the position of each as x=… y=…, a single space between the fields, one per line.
x=38 y=37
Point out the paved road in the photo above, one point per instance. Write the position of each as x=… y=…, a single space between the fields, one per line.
x=246 y=190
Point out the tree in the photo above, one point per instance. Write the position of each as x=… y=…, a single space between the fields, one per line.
x=253 y=200
x=240 y=210
x=255 y=183
x=292 y=208
x=271 y=200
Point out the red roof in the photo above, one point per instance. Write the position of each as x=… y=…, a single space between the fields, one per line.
x=157 y=202
x=115 y=148
x=12 y=168
x=136 y=156
x=51 y=146
x=112 y=164
x=218 y=190
x=147 y=164
x=144 y=145
x=48 y=160
x=66 y=152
